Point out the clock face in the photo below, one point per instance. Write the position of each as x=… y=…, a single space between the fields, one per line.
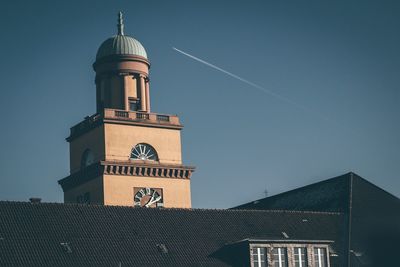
x=148 y=197
x=144 y=152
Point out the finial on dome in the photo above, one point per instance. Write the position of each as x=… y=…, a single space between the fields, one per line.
x=120 y=24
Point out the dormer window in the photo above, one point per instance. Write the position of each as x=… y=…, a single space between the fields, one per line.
x=289 y=253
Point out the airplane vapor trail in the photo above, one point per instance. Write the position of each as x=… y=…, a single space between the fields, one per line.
x=259 y=87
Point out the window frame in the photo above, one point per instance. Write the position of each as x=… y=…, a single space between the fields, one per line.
x=282 y=253
x=135 y=157
x=134 y=101
x=290 y=252
x=325 y=258
x=87 y=158
x=260 y=261
x=301 y=255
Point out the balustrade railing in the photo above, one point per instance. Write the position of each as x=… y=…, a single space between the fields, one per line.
x=125 y=115
x=121 y=113
x=163 y=118
x=142 y=116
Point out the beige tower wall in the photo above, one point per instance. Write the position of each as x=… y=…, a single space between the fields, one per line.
x=118 y=190
x=93 y=140
x=94 y=187
x=120 y=139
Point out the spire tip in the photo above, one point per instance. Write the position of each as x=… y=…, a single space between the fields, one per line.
x=120 y=24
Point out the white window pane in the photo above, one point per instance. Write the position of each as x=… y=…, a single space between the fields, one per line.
x=259 y=256
x=280 y=257
x=320 y=257
x=300 y=257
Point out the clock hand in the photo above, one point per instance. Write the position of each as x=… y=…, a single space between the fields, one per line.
x=152 y=201
x=156 y=200
x=149 y=202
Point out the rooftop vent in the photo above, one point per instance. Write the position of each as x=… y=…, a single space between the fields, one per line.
x=35 y=200
x=162 y=248
x=66 y=247
x=285 y=235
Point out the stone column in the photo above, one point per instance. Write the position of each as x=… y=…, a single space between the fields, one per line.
x=126 y=93
x=148 y=94
x=142 y=93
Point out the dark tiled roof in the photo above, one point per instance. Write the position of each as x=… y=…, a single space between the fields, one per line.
x=333 y=195
x=31 y=234
x=328 y=195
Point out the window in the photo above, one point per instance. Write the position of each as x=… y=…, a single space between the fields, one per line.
x=320 y=257
x=259 y=256
x=133 y=105
x=87 y=158
x=300 y=257
x=280 y=257
x=288 y=254
x=143 y=152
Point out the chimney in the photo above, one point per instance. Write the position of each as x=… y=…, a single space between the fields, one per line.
x=35 y=200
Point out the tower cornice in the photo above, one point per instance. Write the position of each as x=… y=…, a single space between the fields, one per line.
x=126 y=168
x=120 y=58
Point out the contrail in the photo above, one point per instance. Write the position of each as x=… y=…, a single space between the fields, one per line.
x=259 y=87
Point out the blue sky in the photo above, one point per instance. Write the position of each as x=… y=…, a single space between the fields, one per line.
x=339 y=59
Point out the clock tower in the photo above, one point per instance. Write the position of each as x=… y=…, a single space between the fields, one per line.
x=125 y=154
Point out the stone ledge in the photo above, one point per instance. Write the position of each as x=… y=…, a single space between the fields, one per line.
x=127 y=169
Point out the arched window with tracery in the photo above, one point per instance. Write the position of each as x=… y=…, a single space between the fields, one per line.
x=87 y=158
x=144 y=151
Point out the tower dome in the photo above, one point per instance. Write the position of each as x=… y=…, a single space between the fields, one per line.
x=122 y=74
x=121 y=44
